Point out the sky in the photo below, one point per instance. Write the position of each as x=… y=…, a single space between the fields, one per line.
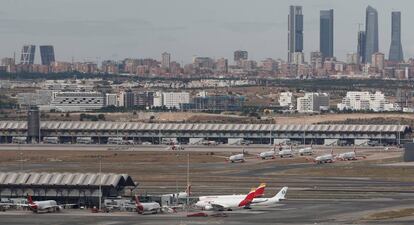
x=94 y=30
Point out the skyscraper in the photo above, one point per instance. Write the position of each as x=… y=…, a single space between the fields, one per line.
x=361 y=47
x=166 y=60
x=371 y=33
x=47 y=54
x=28 y=54
x=326 y=37
x=396 y=50
x=295 y=32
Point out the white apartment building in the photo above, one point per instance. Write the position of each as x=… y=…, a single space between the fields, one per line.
x=77 y=101
x=313 y=102
x=171 y=99
x=111 y=100
x=286 y=99
x=376 y=102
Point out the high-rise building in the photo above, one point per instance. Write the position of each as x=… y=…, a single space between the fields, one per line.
x=240 y=55
x=28 y=54
x=378 y=60
x=295 y=32
x=313 y=102
x=361 y=47
x=222 y=65
x=47 y=54
x=371 y=35
x=396 y=50
x=326 y=38
x=166 y=60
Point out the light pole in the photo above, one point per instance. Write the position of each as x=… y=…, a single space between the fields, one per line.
x=100 y=183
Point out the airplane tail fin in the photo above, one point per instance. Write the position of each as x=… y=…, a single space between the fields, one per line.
x=280 y=195
x=260 y=190
x=188 y=190
x=29 y=199
x=249 y=198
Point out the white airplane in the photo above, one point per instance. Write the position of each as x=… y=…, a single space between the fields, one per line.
x=285 y=153
x=268 y=202
x=42 y=206
x=306 y=151
x=237 y=158
x=228 y=203
x=328 y=158
x=259 y=191
x=268 y=155
x=348 y=156
x=147 y=207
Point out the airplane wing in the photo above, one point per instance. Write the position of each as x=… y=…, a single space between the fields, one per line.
x=219 y=207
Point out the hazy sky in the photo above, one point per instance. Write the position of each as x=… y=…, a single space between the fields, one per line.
x=116 y=29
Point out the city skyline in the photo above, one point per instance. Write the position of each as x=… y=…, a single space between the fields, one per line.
x=262 y=35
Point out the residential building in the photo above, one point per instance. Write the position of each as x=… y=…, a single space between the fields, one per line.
x=286 y=99
x=174 y=99
x=378 y=60
x=313 y=102
x=366 y=101
x=222 y=65
x=111 y=100
x=295 y=33
x=166 y=60
x=240 y=55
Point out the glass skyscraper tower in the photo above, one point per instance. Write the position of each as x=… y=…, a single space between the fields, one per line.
x=326 y=36
x=396 y=50
x=295 y=32
x=371 y=33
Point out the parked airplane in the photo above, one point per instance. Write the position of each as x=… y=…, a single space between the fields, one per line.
x=237 y=158
x=147 y=207
x=229 y=203
x=270 y=201
x=267 y=155
x=328 y=158
x=349 y=156
x=306 y=151
x=285 y=153
x=42 y=206
x=182 y=194
x=259 y=191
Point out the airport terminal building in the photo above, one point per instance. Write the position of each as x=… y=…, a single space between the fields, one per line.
x=100 y=132
x=68 y=188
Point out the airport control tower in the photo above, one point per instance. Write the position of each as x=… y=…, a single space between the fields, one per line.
x=33 y=125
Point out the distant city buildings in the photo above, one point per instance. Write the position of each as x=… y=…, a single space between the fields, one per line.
x=77 y=101
x=27 y=56
x=363 y=101
x=47 y=54
x=171 y=99
x=371 y=33
x=240 y=55
x=295 y=35
x=286 y=99
x=313 y=102
x=396 y=49
x=326 y=36
x=166 y=60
